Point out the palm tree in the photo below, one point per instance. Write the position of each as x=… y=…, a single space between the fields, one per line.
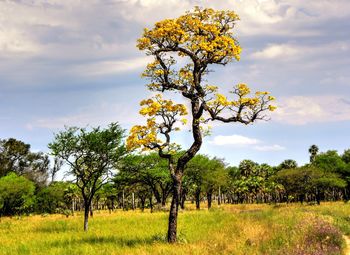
x=313 y=150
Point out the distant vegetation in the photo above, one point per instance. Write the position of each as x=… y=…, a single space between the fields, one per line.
x=143 y=181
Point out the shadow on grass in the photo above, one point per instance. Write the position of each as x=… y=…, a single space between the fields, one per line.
x=120 y=241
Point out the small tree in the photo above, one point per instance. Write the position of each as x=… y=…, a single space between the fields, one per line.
x=200 y=38
x=91 y=155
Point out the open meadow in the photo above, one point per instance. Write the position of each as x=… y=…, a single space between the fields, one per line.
x=230 y=229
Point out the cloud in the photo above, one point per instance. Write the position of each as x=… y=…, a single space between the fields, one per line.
x=276 y=51
x=243 y=141
x=96 y=115
x=234 y=140
x=112 y=67
x=301 y=110
x=274 y=147
x=288 y=51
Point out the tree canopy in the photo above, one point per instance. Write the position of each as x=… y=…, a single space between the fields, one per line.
x=90 y=155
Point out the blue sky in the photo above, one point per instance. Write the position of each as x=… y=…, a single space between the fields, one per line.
x=70 y=62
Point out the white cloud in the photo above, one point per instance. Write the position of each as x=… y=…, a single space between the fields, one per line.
x=112 y=67
x=300 y=110
x=243 y=141
x=12 y=41
x=276 y=51
x=274 y=147
x=286 y=51
x=234 y=140
x=96 y=115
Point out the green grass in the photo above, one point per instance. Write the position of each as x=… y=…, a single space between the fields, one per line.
x=231 y=229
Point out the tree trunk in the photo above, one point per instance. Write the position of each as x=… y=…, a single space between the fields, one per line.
x=142 y=203
x=183 y=199
x=174 y=208
x=73 y=207
x=198 y=199
x=151 y=203
x=219 y=196
x=133 y=200
x=209 y=197
x=123 y=201
x=91 y=210
x=86 y=216
x=164 y=197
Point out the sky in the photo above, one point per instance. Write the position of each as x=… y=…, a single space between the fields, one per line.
x=75 y=63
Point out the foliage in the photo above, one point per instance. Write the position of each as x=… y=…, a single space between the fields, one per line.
x=15 y=156
x=51 y=198
x=330 y=161
x=288 y=164
x=298 y=182
x=346 y=156
x=313 y=150
x=91 y=155
x=145 y=173
x=16 y=194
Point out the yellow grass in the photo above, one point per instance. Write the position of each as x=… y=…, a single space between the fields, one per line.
x=230 y=229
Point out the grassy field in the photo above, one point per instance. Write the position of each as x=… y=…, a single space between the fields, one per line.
x=230 y=229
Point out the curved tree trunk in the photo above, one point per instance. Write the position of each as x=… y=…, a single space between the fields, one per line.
x=174 y=208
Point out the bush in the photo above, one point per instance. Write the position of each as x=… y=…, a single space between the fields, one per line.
x=16 y=195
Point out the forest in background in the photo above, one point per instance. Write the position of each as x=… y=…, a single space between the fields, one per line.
x=28 y=183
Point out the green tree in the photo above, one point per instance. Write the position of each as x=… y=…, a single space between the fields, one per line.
x=200 y=38
x=214 y=178
x=331 y=161
x=72 y=197
x=16 y=194
x=50 y=199
x=149 y=171
x=300 y=182
x=288 y=164
x=248 y=167
x=15 y=156
x=346 y=156
x=91 y=155
x=313 y=150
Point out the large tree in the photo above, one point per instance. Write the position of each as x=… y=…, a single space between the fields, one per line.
x=199 y=38
x=91 y=155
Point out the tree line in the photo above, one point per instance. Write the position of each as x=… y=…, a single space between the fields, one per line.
x=121 y=180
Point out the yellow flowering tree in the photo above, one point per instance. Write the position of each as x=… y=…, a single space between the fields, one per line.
x=199 y=39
